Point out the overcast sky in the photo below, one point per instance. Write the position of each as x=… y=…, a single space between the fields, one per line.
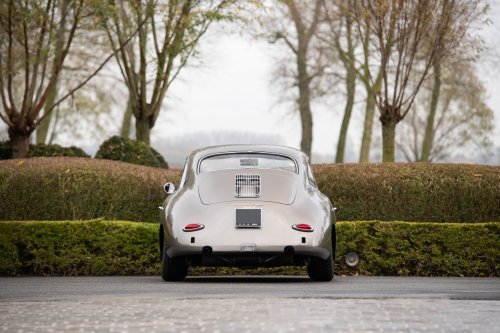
x=233 y=91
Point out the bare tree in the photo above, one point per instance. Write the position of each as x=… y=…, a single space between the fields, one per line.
x=462 y=118
x=27 y=59
x=371 y=92
x=84 y=116
x=461 y=63
x=341 y=36
x=342 y=39
x=410 y=36
x=168 y=33
x=60 y=31
x=305 y=17
x=88 y=48
x=32 y=60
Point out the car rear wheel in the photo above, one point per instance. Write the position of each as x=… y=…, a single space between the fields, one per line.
x=173 y=269
x=320 y=269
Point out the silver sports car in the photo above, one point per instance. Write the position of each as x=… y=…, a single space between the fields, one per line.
x=247 y=206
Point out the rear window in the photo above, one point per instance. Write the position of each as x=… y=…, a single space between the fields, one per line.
x=247 y=161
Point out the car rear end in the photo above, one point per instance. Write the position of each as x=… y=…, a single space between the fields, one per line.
x=255 y=209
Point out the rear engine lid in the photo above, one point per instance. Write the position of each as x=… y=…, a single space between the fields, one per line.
x=247 y=185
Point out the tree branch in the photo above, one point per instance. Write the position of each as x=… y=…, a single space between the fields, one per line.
x=142 y=58
x=26 y=65
x=72 y=91
x=280 y=35
x=6 y=107
x=316 y=18
x=9 y=60
x=38 y=57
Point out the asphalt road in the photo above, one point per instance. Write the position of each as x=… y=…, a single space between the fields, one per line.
x=249 y=304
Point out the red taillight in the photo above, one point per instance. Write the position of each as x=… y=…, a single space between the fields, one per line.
x=193 y=227
x=303 y=227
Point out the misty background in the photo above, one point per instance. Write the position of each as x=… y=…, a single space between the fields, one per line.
x=228 y=94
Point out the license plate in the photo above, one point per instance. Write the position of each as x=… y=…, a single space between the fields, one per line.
x=248 y=218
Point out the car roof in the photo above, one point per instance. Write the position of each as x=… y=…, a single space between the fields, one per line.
x=298 y=155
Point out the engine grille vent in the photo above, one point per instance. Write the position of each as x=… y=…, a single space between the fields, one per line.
x=247 y=186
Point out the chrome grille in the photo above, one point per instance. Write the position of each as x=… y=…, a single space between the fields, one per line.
x=247 y=186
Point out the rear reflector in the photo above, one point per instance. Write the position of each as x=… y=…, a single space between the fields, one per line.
x=303 y=227
x=193 y=227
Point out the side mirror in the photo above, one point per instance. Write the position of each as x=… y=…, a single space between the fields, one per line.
x=169 y=188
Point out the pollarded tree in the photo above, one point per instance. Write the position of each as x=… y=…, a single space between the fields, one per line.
x=168 y=33
x=29 y=67
x=343 y=41
x=445 y=74
x=305 y=18
x=35 y=41
x=371 y=91
x=462 y=118
x=409 y=37
x=89 y=48
x=59 y=35
x=346 y=46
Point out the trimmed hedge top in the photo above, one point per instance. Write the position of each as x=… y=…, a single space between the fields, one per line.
x=412 y=191
x=120 y=149
x=41 y=149
x=79 y=188
x=68 y=188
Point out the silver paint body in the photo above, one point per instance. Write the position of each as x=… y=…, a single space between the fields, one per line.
x=286 y=199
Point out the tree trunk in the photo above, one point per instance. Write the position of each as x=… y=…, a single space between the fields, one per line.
x=351 y=90
x=429 y=129
x=371 y=92
x=42 y=129
x=348 y=59
x=307 y=124
x=364 y=156
x=304 y=103
x=142 y=130
x=127 y=121
x=388 y=138
x=19 y=145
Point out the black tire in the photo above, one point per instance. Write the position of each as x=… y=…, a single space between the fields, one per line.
x=334 y=246
x=160 y=241
x=173 y=269
x=320 y=269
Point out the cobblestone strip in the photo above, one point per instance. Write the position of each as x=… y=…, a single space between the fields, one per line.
x=251 y=315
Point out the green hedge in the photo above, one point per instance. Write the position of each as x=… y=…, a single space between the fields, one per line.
x=100 y=247
x=78 y=248
x=121 y=149
x=422 y=249
x=43 y=150
x=80 y=188
x=412 y=191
